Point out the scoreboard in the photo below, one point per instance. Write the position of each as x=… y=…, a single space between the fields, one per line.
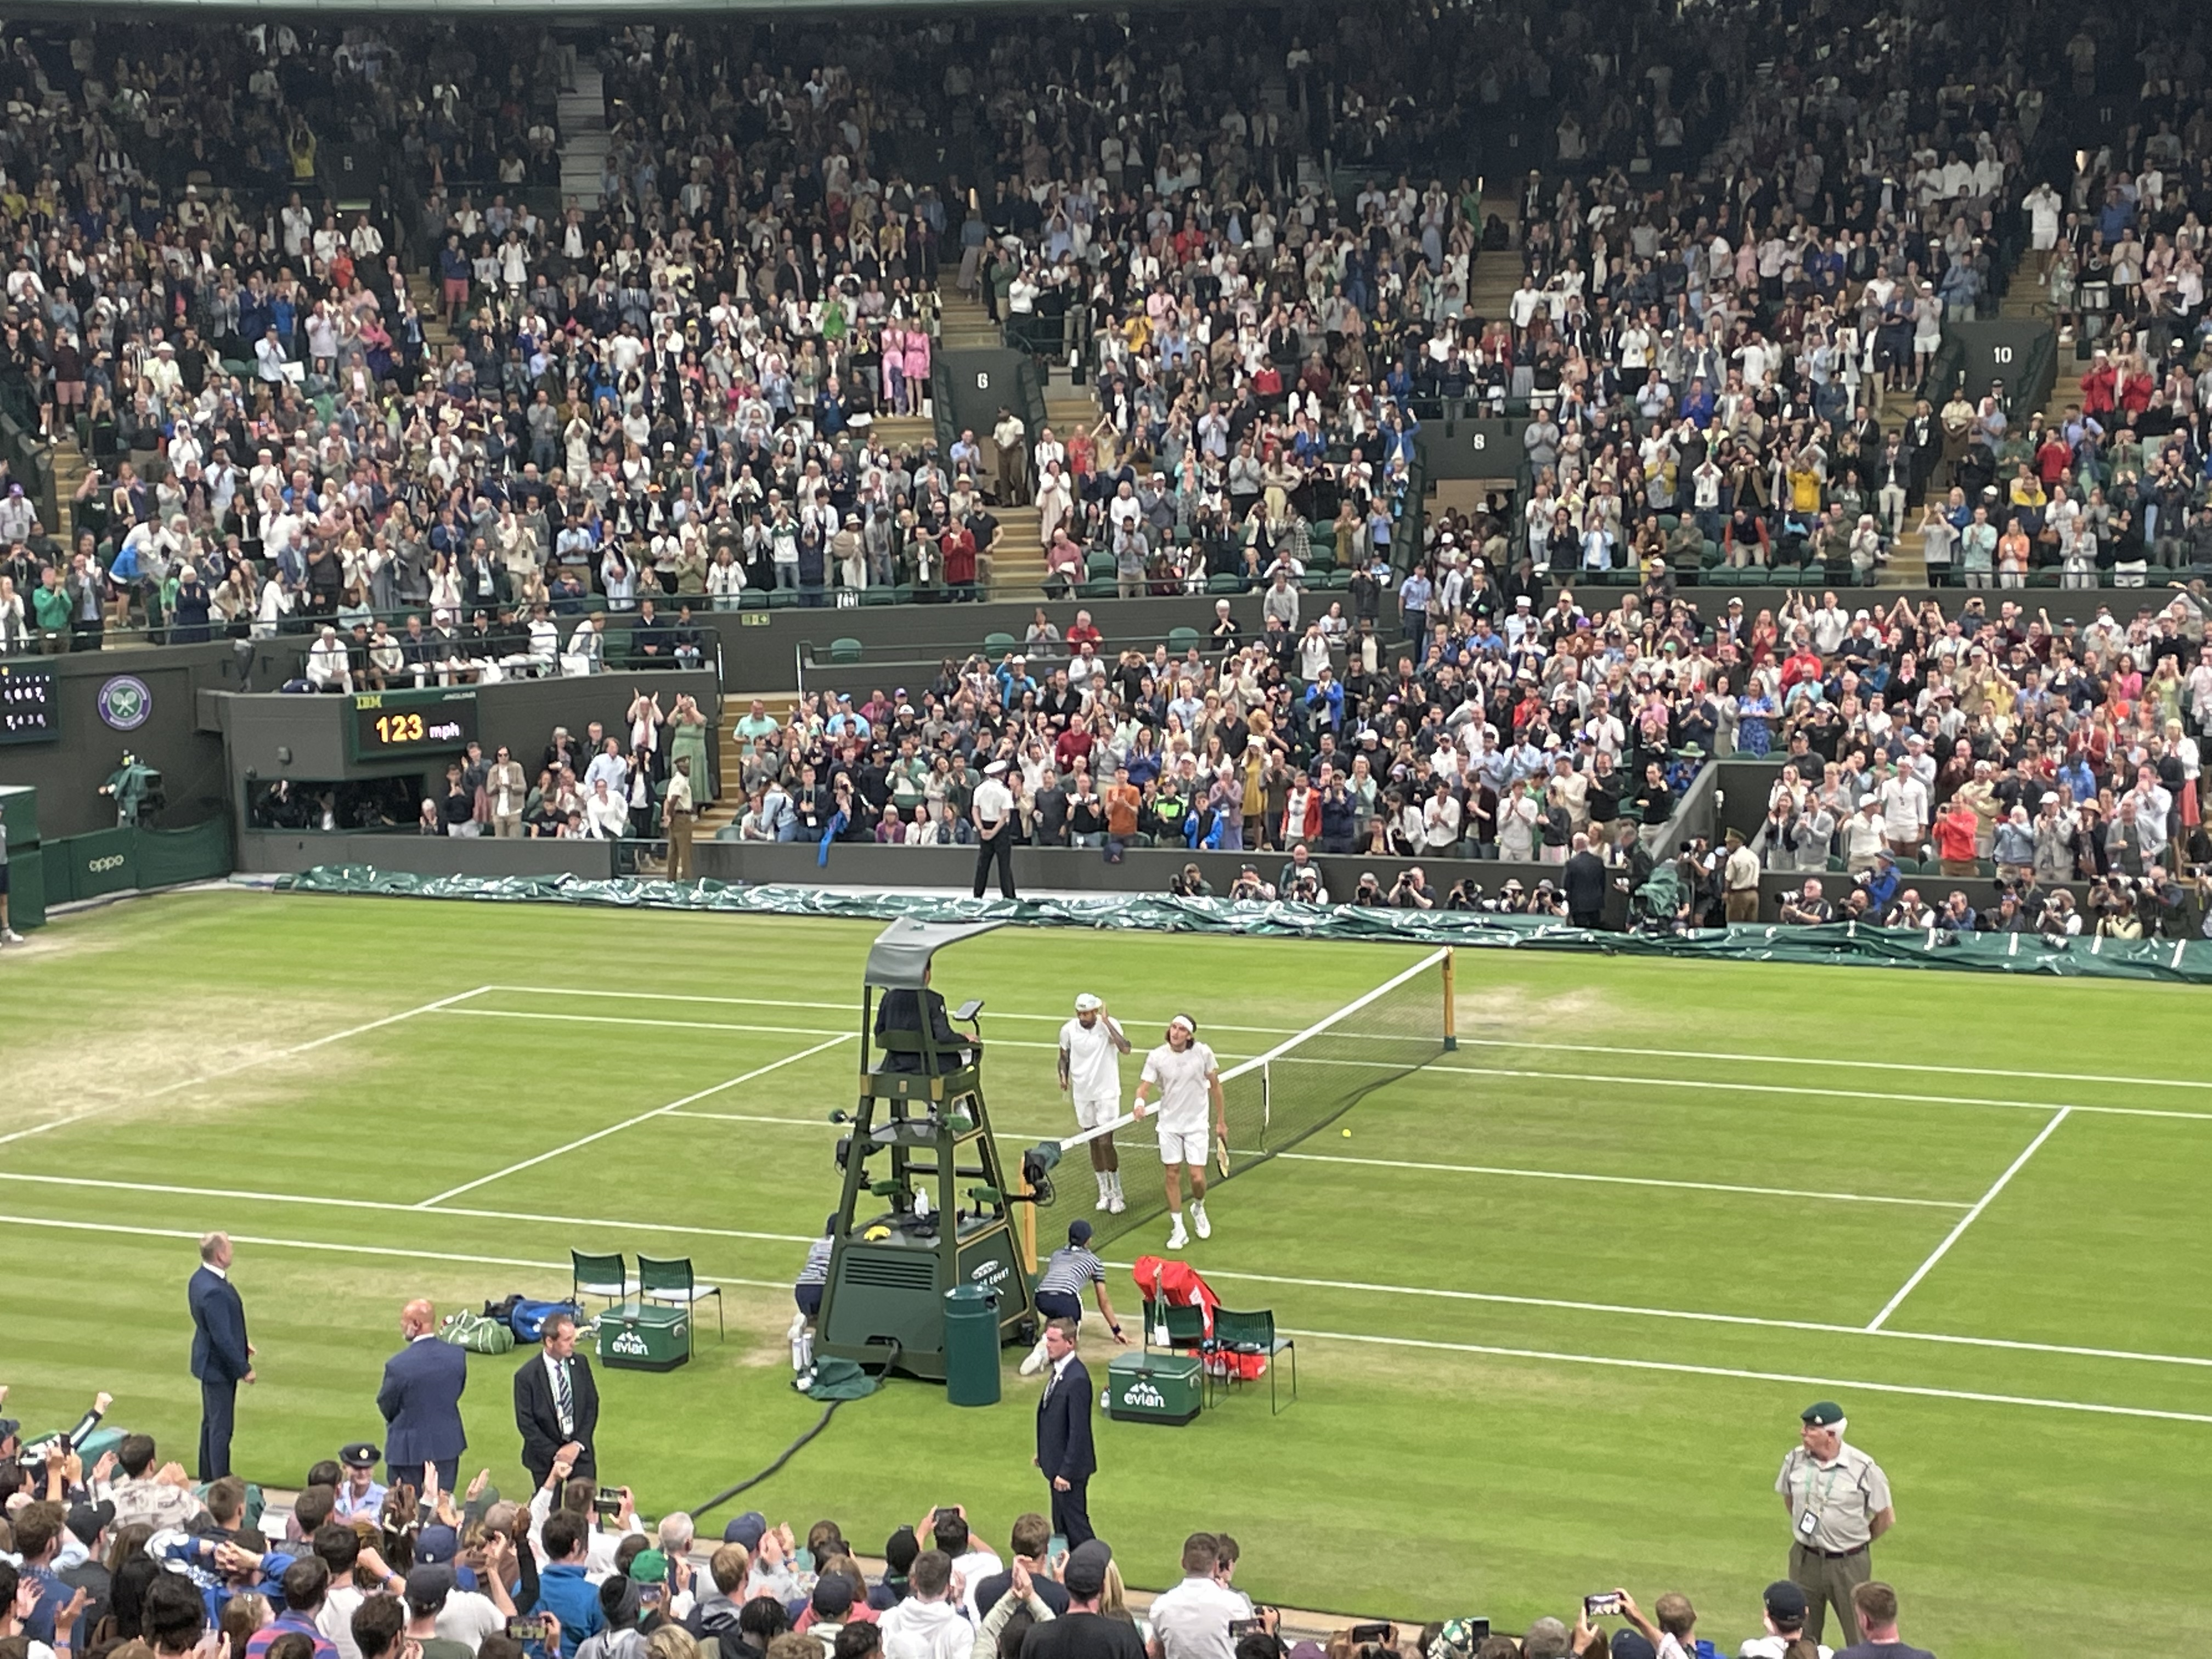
x=26 y=704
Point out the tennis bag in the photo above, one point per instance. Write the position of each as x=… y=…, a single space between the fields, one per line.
x=527 y=1318
x=1160 y=1282
x=477 y=1334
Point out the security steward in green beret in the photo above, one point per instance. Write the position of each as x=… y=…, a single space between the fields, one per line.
x=1838 y=1502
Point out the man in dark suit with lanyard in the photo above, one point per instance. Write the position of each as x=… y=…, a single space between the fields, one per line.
x=420 y=1400
x=1065 y=1452
x=556 y=1405
x=222 y=1357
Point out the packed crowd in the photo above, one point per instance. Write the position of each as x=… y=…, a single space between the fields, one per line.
x=671 y=395
x=131 y=1559
x=1705 y=337
x=1500 y=733
x=1992 y=742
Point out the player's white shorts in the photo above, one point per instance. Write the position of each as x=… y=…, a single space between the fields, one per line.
x=1183 y=1146
x=1097 y=1114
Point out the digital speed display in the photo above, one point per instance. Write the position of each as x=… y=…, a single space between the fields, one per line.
x=392 y=725
x=26 y=704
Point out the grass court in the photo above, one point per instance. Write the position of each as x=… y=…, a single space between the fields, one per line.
x=1558 y=1298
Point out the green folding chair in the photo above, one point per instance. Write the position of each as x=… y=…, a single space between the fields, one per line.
x=1249 y=1334
x=604 y=1276
x=671 y=1281
x=845 y=650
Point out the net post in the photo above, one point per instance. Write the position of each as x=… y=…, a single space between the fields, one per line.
x=1451 y=1005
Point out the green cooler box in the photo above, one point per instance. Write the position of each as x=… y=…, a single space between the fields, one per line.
x=645 y=1337
x=1154 y=1388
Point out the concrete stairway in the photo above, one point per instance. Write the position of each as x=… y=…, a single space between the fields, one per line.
x=730 y=804
x=584 y=141
x=1497 y=272
x=963 y=325
x=70 y=465
x=423 y=289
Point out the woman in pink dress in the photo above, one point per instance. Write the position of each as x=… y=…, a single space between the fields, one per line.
x=917 y=369
x=894 y=367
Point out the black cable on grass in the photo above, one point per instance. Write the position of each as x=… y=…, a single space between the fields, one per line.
x=788 y=1452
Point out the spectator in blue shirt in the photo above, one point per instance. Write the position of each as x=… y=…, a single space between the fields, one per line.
x=306 y=1581
x=562 y=1589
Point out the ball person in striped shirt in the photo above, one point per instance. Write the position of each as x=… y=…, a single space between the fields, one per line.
x=1183 y=1073
x=1091 y=1050
x=1067 y=1273
x=807 y=1293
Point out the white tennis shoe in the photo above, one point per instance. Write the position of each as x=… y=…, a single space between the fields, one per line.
x=1176 y=1237
x=1198 y=1219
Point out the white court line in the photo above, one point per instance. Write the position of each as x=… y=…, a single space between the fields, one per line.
x=1434 y=1065
x=1620 y=1180
x=1466 y=1042
x=245 y=1064
x=257 y=1196
x=1752 y=1321
x=1000 y=1131
x=698 y=1025
x=628 y=1122
x=1856 y=1065
x=1796 y=1379
x=1967 y=1221
x=1796 y=1089
x=350 y=1249
x=796 y=1238
x=373 y=1250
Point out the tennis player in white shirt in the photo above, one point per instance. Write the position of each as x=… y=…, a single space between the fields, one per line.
x=1091 y=1050
x=1183 y=1072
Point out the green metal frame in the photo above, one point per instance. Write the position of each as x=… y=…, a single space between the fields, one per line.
x=926 y=1131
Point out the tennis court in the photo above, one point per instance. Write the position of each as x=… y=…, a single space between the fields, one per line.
x=1564 y=1287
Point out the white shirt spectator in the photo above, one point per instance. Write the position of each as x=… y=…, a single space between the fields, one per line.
x=1191 y=1621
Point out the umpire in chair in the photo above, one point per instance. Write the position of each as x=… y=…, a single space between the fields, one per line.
x=916 y=1034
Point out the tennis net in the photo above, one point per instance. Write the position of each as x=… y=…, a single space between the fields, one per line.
x=1274 y=1100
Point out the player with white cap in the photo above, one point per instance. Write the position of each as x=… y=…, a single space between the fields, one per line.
x=1091 y=1050
x=1183 y=1073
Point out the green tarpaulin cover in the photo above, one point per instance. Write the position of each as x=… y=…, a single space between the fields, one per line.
x=2182 y=961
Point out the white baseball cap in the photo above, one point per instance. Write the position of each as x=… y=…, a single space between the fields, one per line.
x=1088 y=1004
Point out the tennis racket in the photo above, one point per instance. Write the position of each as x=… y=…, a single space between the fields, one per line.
x=1221 y=1155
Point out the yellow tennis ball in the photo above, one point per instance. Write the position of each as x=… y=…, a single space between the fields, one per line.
x=1347 y=1134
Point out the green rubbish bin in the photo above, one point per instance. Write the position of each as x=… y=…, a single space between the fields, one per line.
x=971 y=1346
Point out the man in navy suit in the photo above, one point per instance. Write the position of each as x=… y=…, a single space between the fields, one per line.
x=420 y=1400
x=222 y=1357
x=1063 y=1452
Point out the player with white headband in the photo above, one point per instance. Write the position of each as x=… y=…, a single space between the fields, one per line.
x=1091 y=1050
x=1183 y=1072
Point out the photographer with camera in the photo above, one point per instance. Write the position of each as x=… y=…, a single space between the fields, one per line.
x=1411 y=890
x=1249 y=888
x=1190 y=882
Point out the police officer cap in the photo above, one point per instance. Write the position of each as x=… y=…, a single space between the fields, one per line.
x=359 y=1455
x=1825 y=1414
